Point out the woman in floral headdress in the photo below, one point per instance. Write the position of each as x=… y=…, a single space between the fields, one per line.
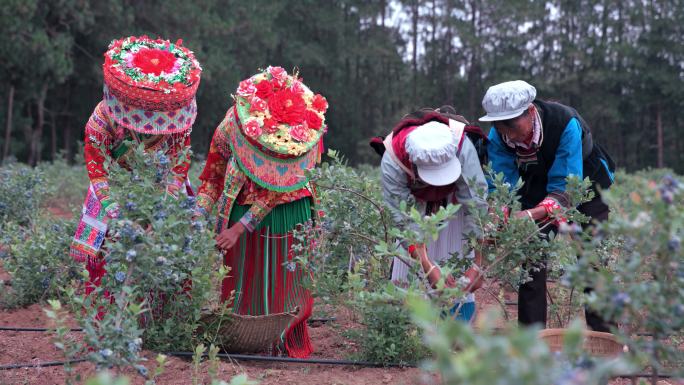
x=149 y=97
x=255 y=170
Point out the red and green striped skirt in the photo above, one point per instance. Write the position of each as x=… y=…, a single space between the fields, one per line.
x=264 y=277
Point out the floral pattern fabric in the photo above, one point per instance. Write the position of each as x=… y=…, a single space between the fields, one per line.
x=260 y=199
x=105 y=139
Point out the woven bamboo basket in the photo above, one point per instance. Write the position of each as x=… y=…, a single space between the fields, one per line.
x=597 y=344
x=236 y=333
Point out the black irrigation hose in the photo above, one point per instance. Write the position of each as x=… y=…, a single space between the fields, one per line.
x=237 y=357
x=641 y=375
x=41 y=364
x=247 y=357
x=15 y=329
x=257 y=358
x=321 y=320
x=18 y=329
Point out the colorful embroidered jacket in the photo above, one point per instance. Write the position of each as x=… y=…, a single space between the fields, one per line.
x=224 y=182
x=104 y=138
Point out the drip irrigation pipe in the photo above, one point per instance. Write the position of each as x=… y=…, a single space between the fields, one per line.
x=41 y=364
x=19 y=329
x=16 y=329
x=238 y=357
x=312 y=321
x=246 y=357
x=641 y=375
x=321 y=320
x=322 y=361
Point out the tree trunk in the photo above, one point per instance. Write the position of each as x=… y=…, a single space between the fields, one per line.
x=659 y=130
x=433 y=43
x=414 y=19
x=28 y=131
x=66 y=123
x=37 y=133
x=8 y=128
x=67 y=140
x=474 y=70
x=53 y=136
x=449 y=75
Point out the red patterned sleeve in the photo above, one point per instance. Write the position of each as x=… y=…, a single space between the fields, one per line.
x=259 y=209
x=213 y=175
x=98 y=141
x=180 y=171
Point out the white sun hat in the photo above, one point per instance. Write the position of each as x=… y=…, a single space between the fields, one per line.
x=432 y=148
x=507 y=100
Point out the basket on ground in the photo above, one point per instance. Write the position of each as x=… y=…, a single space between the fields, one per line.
x=236 y=333
x=597 y=344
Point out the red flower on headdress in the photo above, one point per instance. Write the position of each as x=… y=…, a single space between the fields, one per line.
x=270 y=125
x=319 y=103
x=194 y=75
x=278 y=85
x=287 y=106
x=264 y=89
x=154 y=61
x=312 y=119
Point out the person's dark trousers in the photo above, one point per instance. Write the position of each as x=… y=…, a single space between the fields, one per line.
x=532 y=305
x=597 y=211
x=532 y=298
x=532 y=294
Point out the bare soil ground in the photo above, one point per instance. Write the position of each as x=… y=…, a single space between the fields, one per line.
x=36 y=347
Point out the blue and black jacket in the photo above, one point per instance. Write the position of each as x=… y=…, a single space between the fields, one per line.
x=567 y=149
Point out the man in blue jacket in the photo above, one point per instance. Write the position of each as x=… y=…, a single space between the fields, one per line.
x=543 y=143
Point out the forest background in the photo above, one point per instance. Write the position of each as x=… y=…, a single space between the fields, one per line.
x=619 y=62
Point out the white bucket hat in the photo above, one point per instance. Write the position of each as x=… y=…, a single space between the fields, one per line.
x=432 y=148
x=507 y=100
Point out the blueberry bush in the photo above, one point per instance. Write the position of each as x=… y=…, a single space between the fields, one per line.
x=37 y=259
x=22 y=193
x=356 y=241
x=162 y=271
x=34 y=245
x=160 y=263
x=642 y=289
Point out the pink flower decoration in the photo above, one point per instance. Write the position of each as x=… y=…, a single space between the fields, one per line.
x=297 y=87
x=246 y=88
x=278 y=73
x=252 y=128
x=257 y=104
x=299 y=133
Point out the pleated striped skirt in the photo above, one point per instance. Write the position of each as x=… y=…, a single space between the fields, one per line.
x=264 y=277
